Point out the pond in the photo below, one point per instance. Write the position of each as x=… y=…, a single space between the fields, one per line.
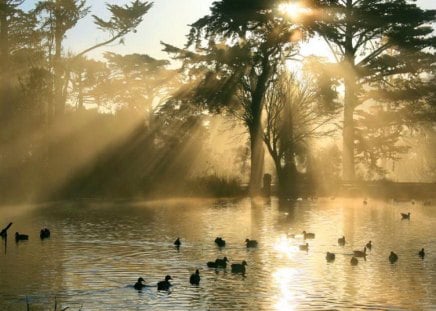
x=97 y=251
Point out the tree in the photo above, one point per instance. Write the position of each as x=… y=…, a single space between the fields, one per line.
x=8 y=8
x=62 y=15
x=238 y=49
x=372 y=41
x=139 y=80
x=294 y=117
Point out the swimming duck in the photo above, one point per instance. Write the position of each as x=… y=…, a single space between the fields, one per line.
x=195 y=278
x=369 y=245
x=308 y=235
x=421 y=253
x=330 y=256
x=220 y=242
x=359 y=253
x=44 y=233
x=304 y=247
x=218 y=263
x=341 y=241
x=221 y=263
x=4 y=232
x=393 y=257
x=164 y=285
x=250 y=243
x=405 y=216
x=21 y=237
x=239 y=267
x=354 y=261
x=139 y=285
x=177 y=242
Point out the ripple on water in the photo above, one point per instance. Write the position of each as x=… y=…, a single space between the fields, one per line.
x=97 y=252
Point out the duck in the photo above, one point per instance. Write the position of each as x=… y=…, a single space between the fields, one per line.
x=330 y=256
x=308 y=235
x=365 y=202
x=304 y=247
x=341 y=241
x=177 y=242
x=218 y=263
x=4 y=232
x=405 y=216
x=393 y=257
x=164 y=285
x=44 y=233
x=421 y=253
x=221 y=263
x=250 y=243
x=359 y=253
x=21 y=237
x=239 y=267
x=369 y=245
x=139 y=285
x=354 y=261
x=220 y=242
x=195 y=278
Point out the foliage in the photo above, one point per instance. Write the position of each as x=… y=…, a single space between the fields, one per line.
x=375 y=42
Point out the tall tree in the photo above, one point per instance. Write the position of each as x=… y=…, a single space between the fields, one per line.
x=8 y=8
x=372 y=41
x=239 y=46
x=295 y=115
x=62 y=15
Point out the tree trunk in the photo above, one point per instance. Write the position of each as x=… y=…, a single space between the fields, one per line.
x=257 y=160
x=59 y=105
x=348 y=131
x=256 y=129
x=349 y=102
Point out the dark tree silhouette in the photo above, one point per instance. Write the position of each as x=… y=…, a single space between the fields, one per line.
x=372 y=41
x=239 y=47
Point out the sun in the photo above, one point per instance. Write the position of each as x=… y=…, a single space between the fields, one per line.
x=294 y=10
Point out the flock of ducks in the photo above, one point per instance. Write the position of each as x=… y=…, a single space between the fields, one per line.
x=195 y=277
x=43 y=234
x=393 y=257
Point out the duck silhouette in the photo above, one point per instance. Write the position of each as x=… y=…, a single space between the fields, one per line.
x=359 y=253
x=330 y=256
x=4 y=232
x=393 y=257
x=341 y=241
x=304 y=247
x=421 y=253
x=405 y=216
x=354 y=261
x=239 y=267
x=250 y=243
x=165 y=284
x=220 y=242
x=21 y=237
x=44 y=233
x=177 y=242
x=195 y=278
x=308 y=235
x=369 y=245
x=218 y=263
x=139 y=285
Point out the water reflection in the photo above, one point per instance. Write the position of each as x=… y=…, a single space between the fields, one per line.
x=97 y=251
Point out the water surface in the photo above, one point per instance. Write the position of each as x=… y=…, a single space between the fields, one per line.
x=98 y=250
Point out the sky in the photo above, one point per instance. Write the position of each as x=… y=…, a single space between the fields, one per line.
x=167 y=21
